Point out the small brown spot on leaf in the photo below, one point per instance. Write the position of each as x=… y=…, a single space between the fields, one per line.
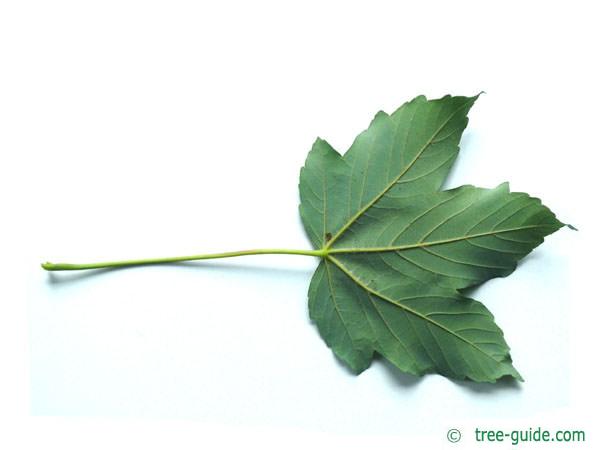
x=327 y=237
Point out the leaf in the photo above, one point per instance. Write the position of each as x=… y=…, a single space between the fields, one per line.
x=397 y=251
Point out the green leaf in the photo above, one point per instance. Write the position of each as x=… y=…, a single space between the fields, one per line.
x=397 y=251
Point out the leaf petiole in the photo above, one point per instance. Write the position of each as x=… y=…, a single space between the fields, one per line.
x=140 y=262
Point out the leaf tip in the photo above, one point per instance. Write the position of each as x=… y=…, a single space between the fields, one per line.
x=504 y=187
x=568 y=225
x=471 y=100
x=515 y=375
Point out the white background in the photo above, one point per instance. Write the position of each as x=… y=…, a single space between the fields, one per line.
x=140 y=129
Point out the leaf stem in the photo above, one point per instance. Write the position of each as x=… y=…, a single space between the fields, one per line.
x=140 y=262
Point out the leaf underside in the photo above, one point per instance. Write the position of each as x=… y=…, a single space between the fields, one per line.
x=399 y=250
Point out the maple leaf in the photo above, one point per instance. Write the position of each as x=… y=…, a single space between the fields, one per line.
x=398 y=251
